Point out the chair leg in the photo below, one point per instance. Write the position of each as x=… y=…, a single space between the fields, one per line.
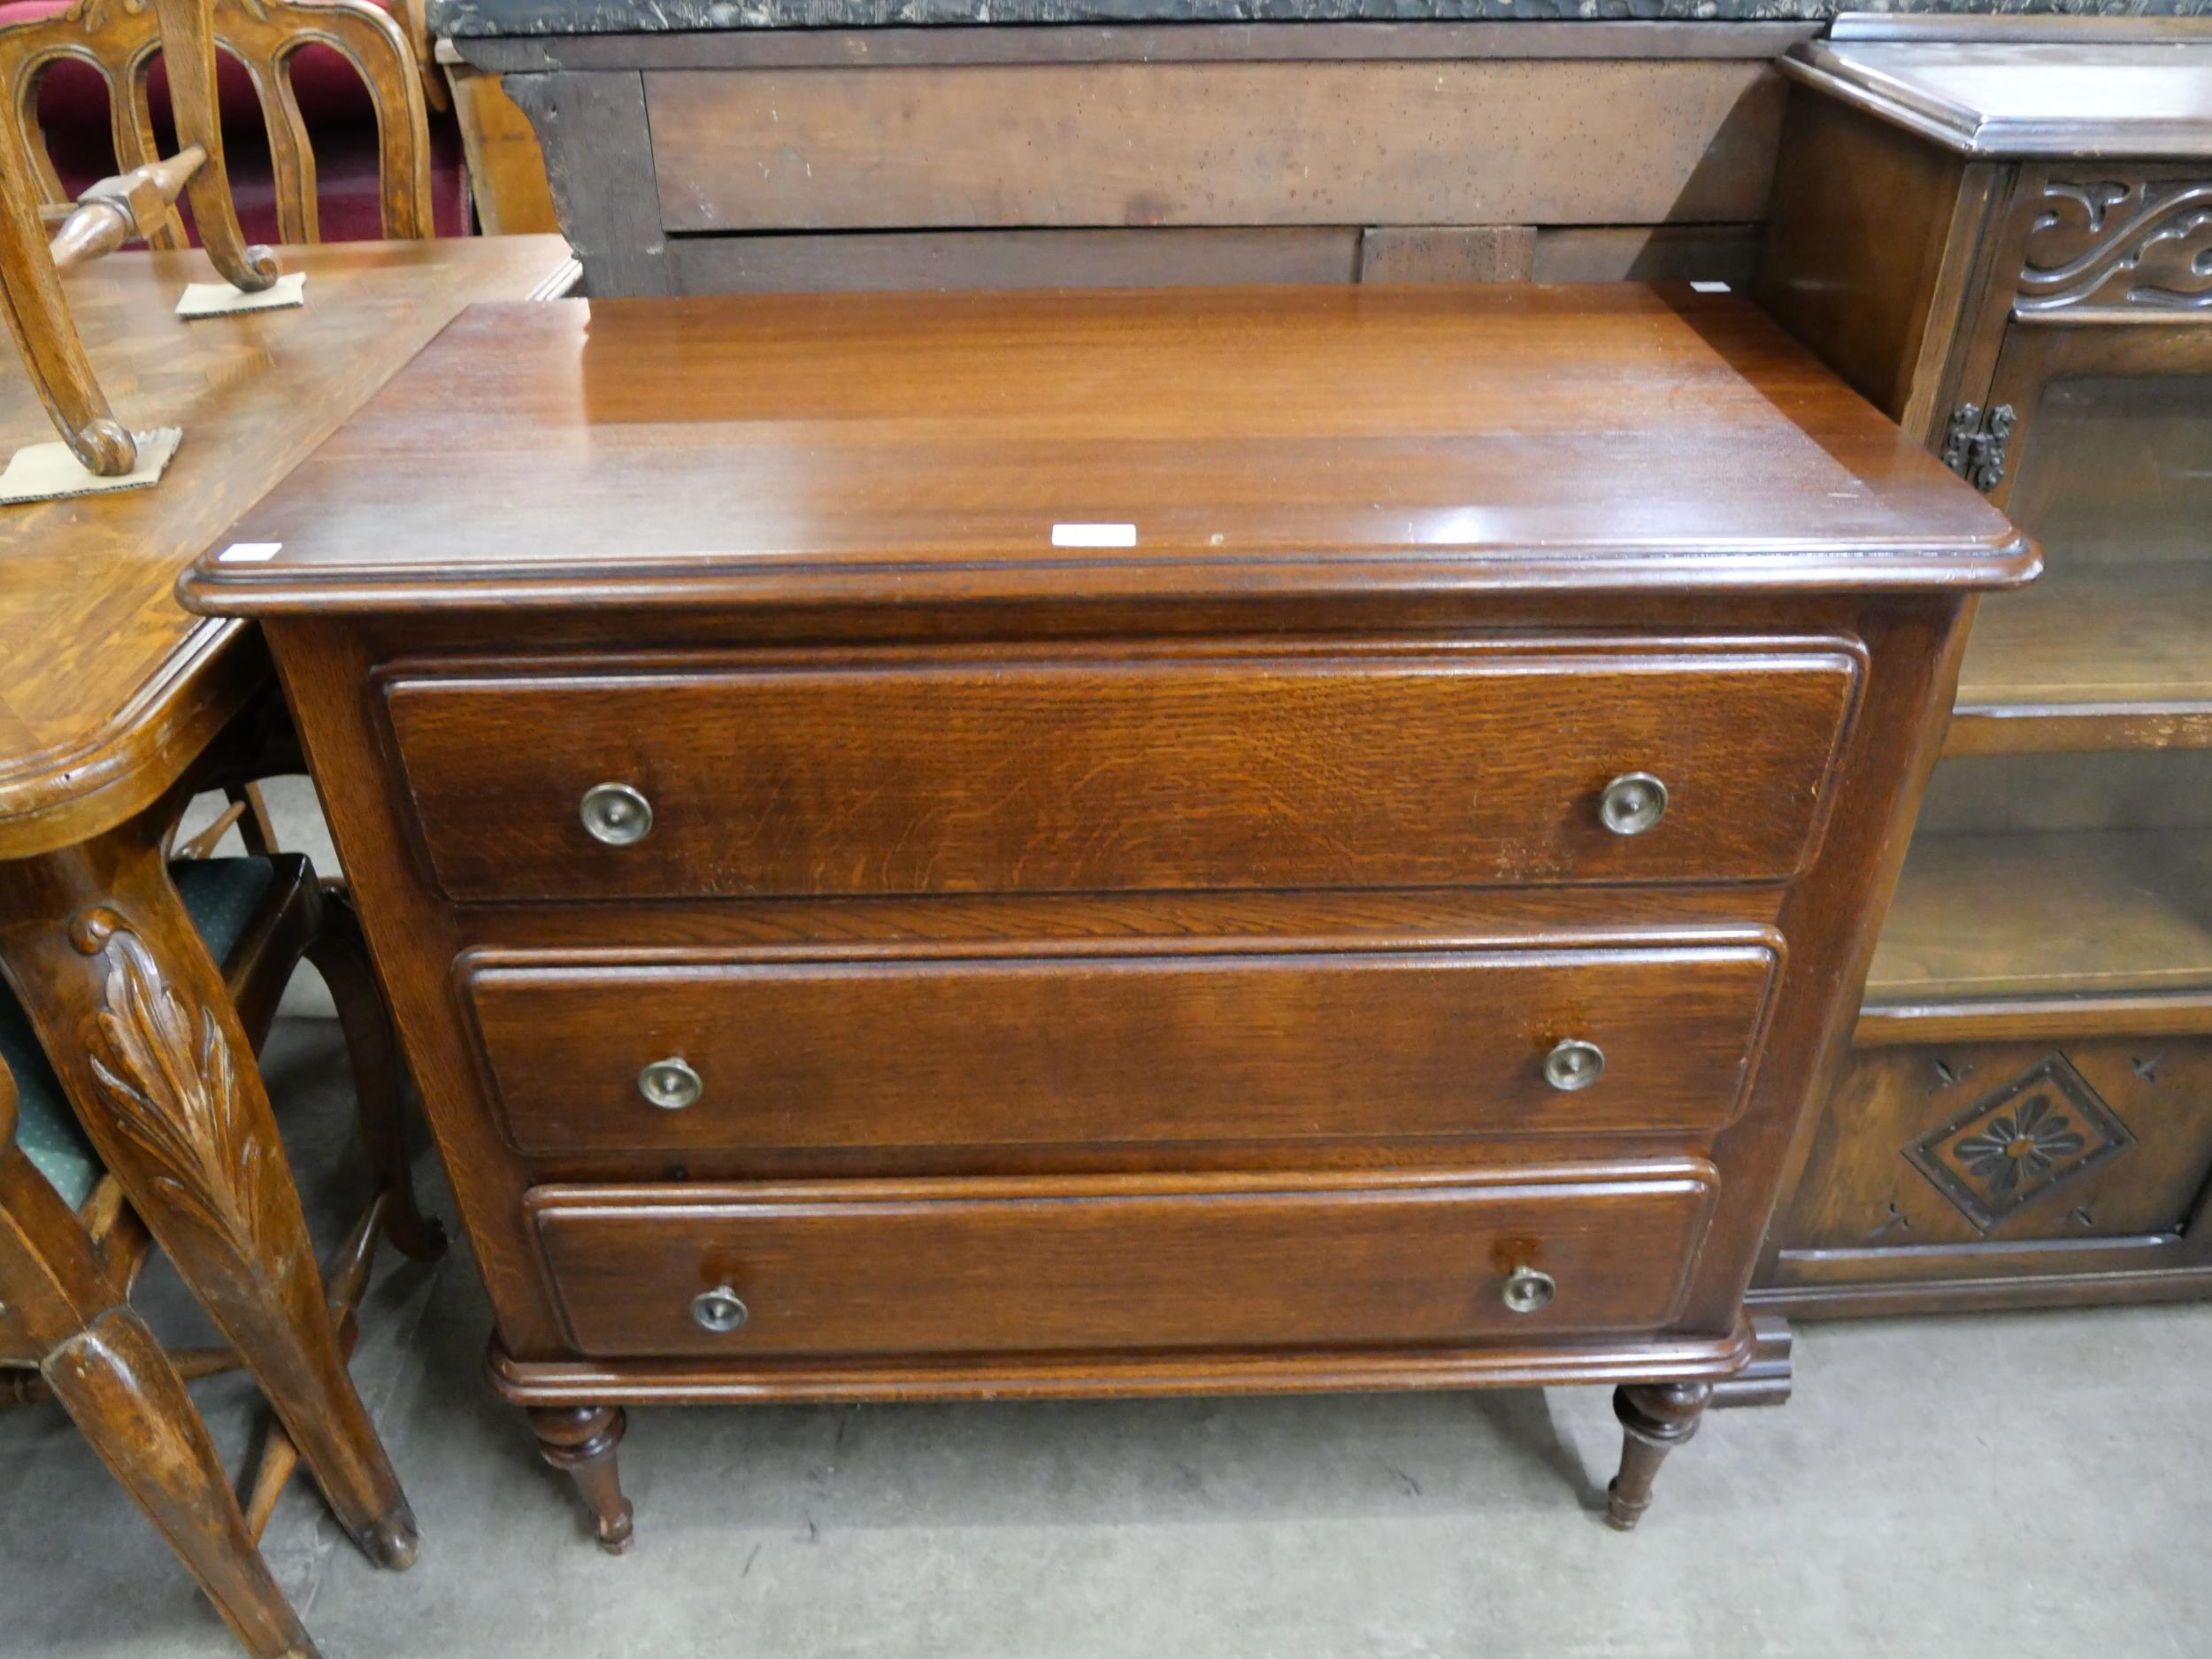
x=114 y=1379
x=581 y=1439
x=341 y=956
x=136 y=1017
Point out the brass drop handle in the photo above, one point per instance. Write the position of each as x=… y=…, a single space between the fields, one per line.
x=719 y=1310
x=1573 y=1064
x=670 y=1085
x=616 y=815
x=1632 y=803
x=1528 y=1290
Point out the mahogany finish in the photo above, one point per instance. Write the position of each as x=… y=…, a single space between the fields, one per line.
x=1053 y=1265
x=1024 y=968
x=1093 y=1046
x=857 y=776
x=1995 y=229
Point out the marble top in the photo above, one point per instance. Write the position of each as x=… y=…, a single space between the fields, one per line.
x=482 y=19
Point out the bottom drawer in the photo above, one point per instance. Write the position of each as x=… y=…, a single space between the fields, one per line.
x=1136 y=1263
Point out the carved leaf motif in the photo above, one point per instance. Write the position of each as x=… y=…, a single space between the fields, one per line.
x=170 y=1077
x=2144 y=246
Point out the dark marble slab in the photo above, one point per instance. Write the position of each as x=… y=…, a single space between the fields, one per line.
x=488 y=19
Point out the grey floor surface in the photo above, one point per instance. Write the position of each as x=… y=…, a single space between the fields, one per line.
x=2015 y=1486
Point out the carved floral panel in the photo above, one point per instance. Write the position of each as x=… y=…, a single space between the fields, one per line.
x=2011 y=1146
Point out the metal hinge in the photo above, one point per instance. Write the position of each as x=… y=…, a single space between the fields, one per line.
x=1974 y=444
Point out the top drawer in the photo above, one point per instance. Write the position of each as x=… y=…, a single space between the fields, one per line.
x=1329 y=767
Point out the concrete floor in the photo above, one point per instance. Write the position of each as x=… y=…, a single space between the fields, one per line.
x=2014 y=1485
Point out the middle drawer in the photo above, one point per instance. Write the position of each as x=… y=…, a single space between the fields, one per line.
x=1211 y=1045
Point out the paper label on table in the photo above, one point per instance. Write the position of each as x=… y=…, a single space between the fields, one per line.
x=1093 y=535
x=249 y=552
x=1710 y=287
x=219 y=299
x=48 y=471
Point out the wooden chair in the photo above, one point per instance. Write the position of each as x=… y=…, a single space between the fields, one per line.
x=119 y=38
x=139 y=202
x=71 y=1246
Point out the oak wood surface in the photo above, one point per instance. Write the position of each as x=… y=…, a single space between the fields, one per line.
x=2103 y=657
x=797 y=447
x=1083 y=1049
x=2121 y=1157
x=134 y=1017
x=1850 y=258
x=2081 y=913
x=1128 y=1263
x=1336 y=766
x=61 y=1308
x=2037 y=317
x=121 y=40
x=107 y=687
x=810 y=496
x=1107 y=1374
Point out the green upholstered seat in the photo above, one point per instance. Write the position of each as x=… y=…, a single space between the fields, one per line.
x=221 y=895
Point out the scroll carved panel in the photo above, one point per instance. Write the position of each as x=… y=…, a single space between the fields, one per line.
x=2140 y=246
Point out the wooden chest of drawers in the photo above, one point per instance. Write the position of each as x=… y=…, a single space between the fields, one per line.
x=932 y=847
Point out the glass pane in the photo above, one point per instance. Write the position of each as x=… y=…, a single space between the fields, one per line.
x=2118 y=470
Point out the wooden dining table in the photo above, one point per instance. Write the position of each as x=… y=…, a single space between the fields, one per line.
x=116 y=706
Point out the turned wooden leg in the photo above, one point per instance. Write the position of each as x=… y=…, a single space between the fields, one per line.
x=581 y=1439
x=1655 y=1418
x=133 y=1014
x=341 y=956
x=98 y=1360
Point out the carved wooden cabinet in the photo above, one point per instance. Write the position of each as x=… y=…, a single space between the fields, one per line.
x=2002 y=235
x=1145 y=842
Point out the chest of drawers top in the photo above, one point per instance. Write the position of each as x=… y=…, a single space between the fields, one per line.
x=1057 y=843
x=1236 y=444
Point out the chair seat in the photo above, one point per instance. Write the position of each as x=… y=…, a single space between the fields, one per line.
x=221 y=895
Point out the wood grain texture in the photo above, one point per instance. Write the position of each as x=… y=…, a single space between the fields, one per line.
x=1118 y=771
x=2056 y=1141
x=148 y=1049
x=790 y=532
x=121 y=40
x=507 y=180
x=1978 y=232
x=808 y=448
x=47 y=342
x=2104 y=657
x=1860 y=219
x=600 y=167
x=107 y=688
x=62 y=1310
x=1082 y=1049
x=1057 y=1265
x=1253 y=144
